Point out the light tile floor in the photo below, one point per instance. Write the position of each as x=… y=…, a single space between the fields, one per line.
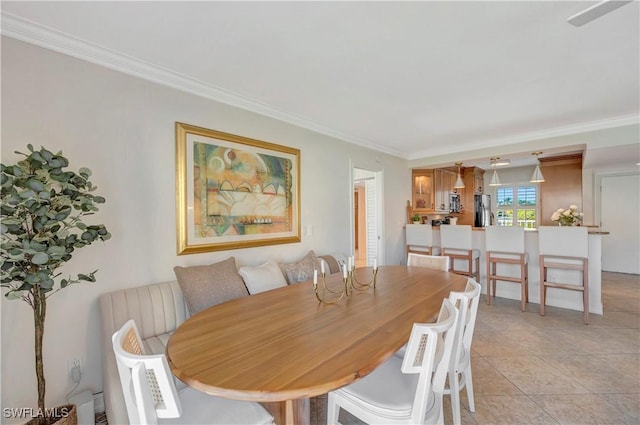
x=529 y=369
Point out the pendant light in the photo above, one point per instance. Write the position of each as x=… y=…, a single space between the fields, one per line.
x=459 y=183
x=537 y=176
x=495 y=180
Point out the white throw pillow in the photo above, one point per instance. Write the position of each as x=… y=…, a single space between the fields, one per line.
x=262 y=278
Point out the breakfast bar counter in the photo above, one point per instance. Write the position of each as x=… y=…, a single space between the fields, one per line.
x=558 y=298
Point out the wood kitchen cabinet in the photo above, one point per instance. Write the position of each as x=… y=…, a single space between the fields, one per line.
x=431 y=189
x=473 y=178
x=444 y=181
x=423 y=191
x=478 y=180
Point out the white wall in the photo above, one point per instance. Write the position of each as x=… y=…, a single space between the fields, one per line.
x=122 y=128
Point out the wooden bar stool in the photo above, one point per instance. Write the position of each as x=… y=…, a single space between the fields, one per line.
x=564 y=248
x=505 y=245
x=420 y=239
x=456 y=243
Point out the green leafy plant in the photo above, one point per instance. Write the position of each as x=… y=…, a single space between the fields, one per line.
x=43 y=207
x=416 y=217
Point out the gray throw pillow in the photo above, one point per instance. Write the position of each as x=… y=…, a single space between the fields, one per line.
x=204 y=286
x=302 y=270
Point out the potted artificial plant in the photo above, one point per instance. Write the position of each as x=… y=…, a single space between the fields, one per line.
x=416 y=218
x=43 y=207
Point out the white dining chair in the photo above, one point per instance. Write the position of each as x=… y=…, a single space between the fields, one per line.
x=408 y=390
x=460 y=376
x=151 y=397
x=436 y=262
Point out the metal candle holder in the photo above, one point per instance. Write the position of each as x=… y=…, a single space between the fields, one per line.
x=349 y=284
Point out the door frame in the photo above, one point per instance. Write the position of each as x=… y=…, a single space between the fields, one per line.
x=598 y=204
x=379 y=179
x=597 y=211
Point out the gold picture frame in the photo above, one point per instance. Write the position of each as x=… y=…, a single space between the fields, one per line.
x=234 y=192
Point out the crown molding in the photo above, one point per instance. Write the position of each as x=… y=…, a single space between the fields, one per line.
x=16 y=27
x=532 y=136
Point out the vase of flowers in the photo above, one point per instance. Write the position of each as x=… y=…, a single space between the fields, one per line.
x=567 y=217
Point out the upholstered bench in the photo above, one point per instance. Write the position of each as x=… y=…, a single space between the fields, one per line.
x=158 y=309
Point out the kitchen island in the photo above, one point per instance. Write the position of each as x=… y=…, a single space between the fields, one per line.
x=555 y=297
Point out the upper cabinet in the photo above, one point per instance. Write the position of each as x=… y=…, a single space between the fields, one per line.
x=473 y=178
x=478 y=180
x=444 y=181
x=431 y=190
x=423 y=191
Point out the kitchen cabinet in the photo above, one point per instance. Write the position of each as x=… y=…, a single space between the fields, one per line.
x=473 y=178
x=478 y=180
x=444 y=181
x=431 y=189
x=423 y=192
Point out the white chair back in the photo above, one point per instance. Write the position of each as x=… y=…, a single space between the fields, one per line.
x=460 y=375
x=143 y=395
x=419 y=235
x=467 y=303
x=456 y=236
x=158 y=380
x=421 y=357
x=436 y=262
x=504 y=239
x=570 y=241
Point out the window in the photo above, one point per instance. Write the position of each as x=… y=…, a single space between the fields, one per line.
x=519 y=202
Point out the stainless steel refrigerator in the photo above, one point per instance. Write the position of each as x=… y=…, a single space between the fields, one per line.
x=482 y=210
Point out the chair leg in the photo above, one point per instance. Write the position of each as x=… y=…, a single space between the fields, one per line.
x=526 y=281
x=494 y=271
x=477 y=274
x=454 y=386
x=488 y=280
x=523 y=285
x=333 y=410
x=543 y=289
x=468 y=381
x=585 y=294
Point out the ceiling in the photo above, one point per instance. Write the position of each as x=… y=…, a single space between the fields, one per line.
x=413 y=79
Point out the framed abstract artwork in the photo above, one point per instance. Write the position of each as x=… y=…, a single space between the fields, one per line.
x=234 y=192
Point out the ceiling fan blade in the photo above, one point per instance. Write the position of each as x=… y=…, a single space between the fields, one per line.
x=596 y=11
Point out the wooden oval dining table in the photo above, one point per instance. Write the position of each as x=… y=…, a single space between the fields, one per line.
x=283 y=346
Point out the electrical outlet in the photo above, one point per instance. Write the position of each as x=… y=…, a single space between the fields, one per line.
x=74 y=362
x=74 y=366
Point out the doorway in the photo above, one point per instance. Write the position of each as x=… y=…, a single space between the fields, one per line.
x=619 y=206
x=366 y=217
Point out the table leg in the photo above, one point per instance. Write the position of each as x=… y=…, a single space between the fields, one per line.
x=290 y=412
